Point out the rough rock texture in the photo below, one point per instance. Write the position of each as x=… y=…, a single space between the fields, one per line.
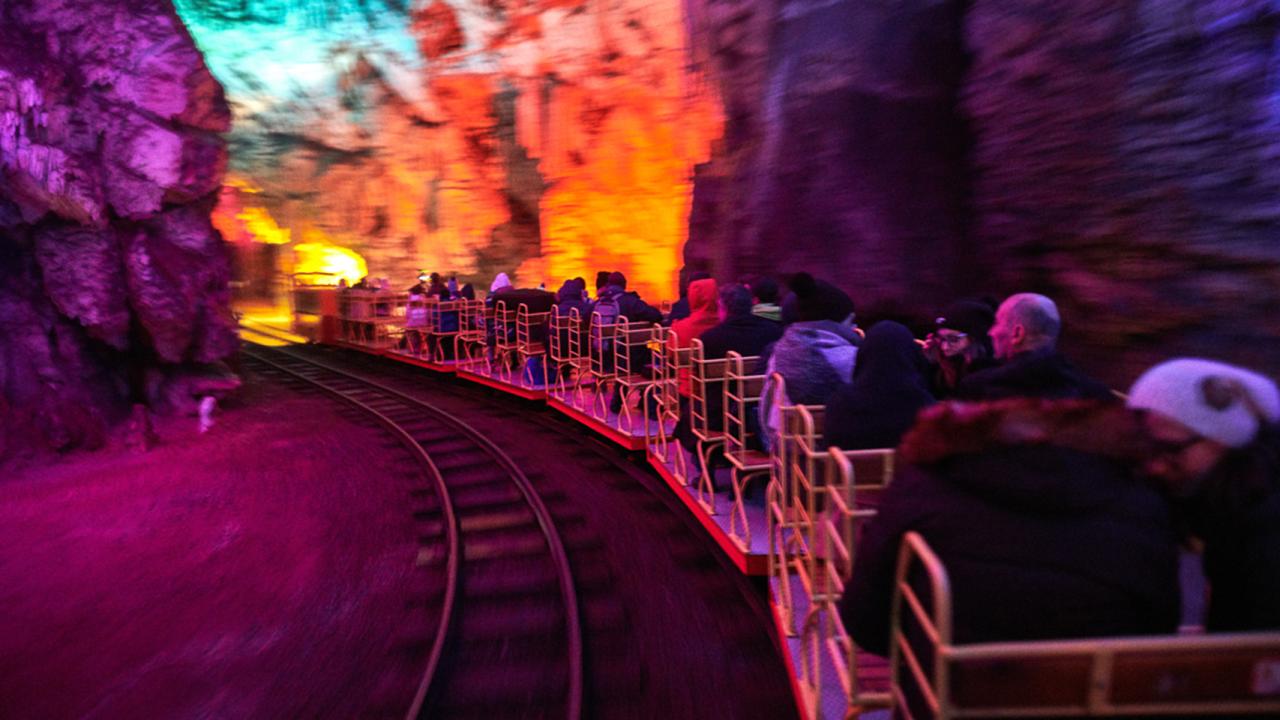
x=842 y=151
x=548 y=138
x=1118 y=156
x=1125 y=163
x=110 y=156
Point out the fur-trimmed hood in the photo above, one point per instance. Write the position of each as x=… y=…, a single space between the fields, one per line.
x=1061 y=455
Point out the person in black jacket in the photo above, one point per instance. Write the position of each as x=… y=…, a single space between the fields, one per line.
x=619 y=302
x=889 y=389
x=740 y=331
x=680 y=308
x=959 y=346
x=1218 y=457
x=1040 y=540
x=1024 y=339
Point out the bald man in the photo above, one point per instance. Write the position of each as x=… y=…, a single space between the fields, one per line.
x=1025 y=338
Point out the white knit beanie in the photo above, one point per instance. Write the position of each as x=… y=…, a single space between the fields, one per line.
x=1215 y=400
x=499 y=282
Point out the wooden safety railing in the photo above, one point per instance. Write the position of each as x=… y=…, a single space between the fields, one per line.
x=798 y=430
x=417 y=326
x=371 y=318
x=741 y=398
x=471 y=342
x=630 y=348
x=445 y=322
x=600 y=365
x=560 y=365
x=1170 y=676
x=502 y=354
x=706 y=376
x=531 y=328
x=668 y=362
x=832 y=541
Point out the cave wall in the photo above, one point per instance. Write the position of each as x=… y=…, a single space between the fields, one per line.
x=1125 y=163
x=1117 y=156
x=842 y=153
x=542 y=138
x=112 y=279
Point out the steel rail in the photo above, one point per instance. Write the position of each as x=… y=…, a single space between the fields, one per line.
x=541 y=513
x=452 y=532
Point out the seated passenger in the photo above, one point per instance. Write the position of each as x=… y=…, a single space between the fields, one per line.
x=680 y=308
x=1039 y=540
x=764 y=292
x=959 y=346
x=1024 y=339
x=627 y=302
x=815 y=354
x=740 y=331
x=1219 y=460
x=436 y=287
x=572 y=295
x=703 y=315
x=616 y=301
x=889 y=389
x=501 y=283
x=602 y=281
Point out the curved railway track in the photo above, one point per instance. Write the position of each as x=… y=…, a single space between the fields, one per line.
x=508 y=638
x=644 y=655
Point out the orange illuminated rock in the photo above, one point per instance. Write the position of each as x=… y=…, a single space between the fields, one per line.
x=437 y=29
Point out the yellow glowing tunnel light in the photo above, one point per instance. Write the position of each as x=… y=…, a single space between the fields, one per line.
x=328 y=262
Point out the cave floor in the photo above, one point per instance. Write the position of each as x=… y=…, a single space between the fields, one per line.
x=253 y=571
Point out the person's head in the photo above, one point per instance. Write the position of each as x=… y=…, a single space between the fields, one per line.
x=602 y=280
x=501 y=282
x=962 y=329
x=820 y=300
x=1025 y=322
x=702 y=297
x=618 y=280
x=1196 y=411
x=735 y=302
x=889 y=351
x=764 y=289
x=435 y=278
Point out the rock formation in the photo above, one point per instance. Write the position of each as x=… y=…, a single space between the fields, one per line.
x=113 y=283
x=1118 y=156
x=546 y=138
x=842 y=153
x=1125 y=162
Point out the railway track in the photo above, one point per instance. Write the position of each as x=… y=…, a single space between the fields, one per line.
x=644 y=656
x=507 y=638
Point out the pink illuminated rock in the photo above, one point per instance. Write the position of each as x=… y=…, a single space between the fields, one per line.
x=110 y=156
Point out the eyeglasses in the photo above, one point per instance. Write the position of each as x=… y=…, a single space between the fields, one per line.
x=953 y=339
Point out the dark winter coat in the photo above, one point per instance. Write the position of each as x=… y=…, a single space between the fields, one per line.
x=571 y=297
x=538 y=301
x=888 y=391
x=679 y=309
x=747 y=335
x=702 y=317
x=814 y=358
x=1038 y=373
x=1236 y=512
x=630 y=305
x=1039 y=541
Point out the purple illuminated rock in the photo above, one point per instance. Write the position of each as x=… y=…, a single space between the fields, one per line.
x=1125 y=162
x=1118 y=156
x=842 y=148
x=110 y=156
